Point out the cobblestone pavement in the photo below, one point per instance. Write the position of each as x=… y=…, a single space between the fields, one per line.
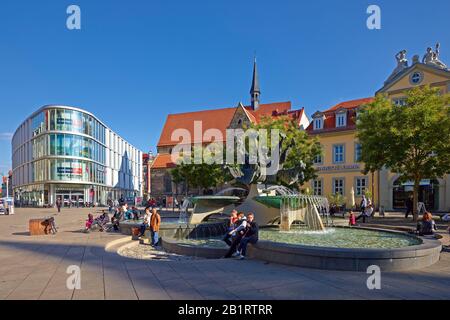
x=35 y=268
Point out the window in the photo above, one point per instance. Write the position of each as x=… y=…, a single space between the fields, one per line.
x=416 y=78
x=339 y=153
x=358 y=152
x=317 y=187
x=341 y=119
x=338 y=186
x=360 y=186
x=318 y=124
x=399 y=102
x=318 y=159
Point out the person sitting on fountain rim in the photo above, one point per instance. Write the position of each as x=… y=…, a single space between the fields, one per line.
x=233 y=221
x=427 y=226
x=251 y=235
x=146 y=222
x=237 y=233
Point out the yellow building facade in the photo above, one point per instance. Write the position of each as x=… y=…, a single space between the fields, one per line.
x=339 y=168
x=434 y=193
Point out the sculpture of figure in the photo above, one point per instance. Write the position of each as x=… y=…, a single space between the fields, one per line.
x=402 y=64
x=432 y=57
x=402 y=61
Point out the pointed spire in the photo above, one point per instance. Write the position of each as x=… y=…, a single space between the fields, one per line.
x=255 y=91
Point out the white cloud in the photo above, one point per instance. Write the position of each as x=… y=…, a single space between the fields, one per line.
x=6 y=136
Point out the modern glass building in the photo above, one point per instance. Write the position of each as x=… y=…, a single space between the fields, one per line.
x=68 y=153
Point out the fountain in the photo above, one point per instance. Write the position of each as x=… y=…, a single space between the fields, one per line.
x=293 y=232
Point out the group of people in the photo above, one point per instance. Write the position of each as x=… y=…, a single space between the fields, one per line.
x=152 y=221
x=242 y=230
x=101 y=222
x=366 y=212
x=119 y=209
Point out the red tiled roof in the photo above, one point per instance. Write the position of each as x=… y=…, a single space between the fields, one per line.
x=351 y=104
x=329 y=124
x=214 y=119
x=163 y=161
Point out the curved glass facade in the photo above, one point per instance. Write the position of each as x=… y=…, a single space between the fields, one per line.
x=58 y=146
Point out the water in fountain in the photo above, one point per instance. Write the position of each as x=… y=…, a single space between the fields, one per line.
x=281 y=190
x=303 y=207
x=184 y=211
x=230 y=191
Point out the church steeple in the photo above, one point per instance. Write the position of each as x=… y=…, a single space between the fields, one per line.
x=255 y=91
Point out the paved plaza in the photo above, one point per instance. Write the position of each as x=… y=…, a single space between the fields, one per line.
x=35 y=268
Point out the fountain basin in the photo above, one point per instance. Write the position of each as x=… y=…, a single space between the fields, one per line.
x=270 y=201
x=193 y=249
x=420 y=253
x=173 y=228
x=219 y=201
x=401 y=251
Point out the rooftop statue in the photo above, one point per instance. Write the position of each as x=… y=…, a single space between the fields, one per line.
x=402 y=63
x=432 y=58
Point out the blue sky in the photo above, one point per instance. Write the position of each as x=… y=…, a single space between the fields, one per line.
x=133 y=62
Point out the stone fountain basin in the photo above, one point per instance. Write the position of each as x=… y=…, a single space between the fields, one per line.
x=171 y=228
x=350 y=259
x=327 y=258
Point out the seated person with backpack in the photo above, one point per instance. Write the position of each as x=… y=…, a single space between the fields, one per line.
x=118 y=215
x=101 y=221
x=427 y=226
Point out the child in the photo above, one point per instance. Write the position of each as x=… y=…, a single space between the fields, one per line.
x=89 y=222
x=352 y=219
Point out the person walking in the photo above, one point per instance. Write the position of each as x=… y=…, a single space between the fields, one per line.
x=58 y=204
x=121 y=200
x=367 y=212
x=155 y=223
x=409 y=207
x=363 y=203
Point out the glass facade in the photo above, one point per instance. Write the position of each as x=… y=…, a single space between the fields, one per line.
x=65 y=150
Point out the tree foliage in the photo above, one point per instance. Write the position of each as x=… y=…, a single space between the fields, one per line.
x=204 y=175
x=302 y=148
x=411 y=140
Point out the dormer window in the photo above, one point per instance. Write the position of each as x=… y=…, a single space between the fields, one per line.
x=341 y=119
x=318 y=123
x=318 y=120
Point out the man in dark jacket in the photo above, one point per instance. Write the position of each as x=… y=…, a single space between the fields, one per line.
x=251 y=235
x=59 y=204
x=409 y=207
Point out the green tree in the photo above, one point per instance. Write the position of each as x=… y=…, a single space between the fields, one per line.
x=411 y=140
x=203 y=176
x=302 y=148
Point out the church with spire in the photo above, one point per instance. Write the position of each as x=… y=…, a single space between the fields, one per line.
x=219 y=120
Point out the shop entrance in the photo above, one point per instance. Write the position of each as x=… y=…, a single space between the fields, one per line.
x=71 y=198
x=428 y=193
